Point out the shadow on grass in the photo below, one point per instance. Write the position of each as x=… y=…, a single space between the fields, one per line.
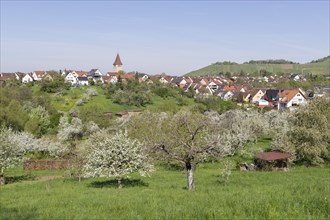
x=17 y=213
x=14 y=179
x=222 y=182
x=114 y=183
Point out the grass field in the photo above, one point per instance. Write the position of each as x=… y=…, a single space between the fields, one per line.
x=101 y=103
x=302 y=193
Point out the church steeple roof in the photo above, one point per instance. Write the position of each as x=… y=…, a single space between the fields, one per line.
x=117 y=61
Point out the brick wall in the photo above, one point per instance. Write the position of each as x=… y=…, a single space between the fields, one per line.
x=45 y=164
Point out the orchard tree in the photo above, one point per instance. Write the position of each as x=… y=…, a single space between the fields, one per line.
x=276 y=122
x=308 y=137
x=91 y=127
x=70 y=130
x=10 y=154
x=41 y=117
x=115 y=156
x=185 y=137
x=247 y=126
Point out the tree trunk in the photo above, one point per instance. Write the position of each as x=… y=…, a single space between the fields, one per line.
x=2 y=179
x=119 y=183
x=190 y=176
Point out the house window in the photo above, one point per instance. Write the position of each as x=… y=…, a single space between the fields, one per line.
x=298 y=94
x=300 y=100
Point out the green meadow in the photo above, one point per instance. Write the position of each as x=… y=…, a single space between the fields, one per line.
x=102 y=104
x=301 y=193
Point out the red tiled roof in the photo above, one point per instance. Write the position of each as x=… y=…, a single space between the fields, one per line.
x=229 y=88
x=40 y=72
x=188 y=80
x=168 y=78
x=113 y=74
x=106 y=78
x=287 y=95
x=269 y=156
x=9 y=76
x=127 y=76
x=81 y=73
x=206 y=81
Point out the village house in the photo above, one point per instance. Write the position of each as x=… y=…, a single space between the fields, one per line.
x=295 y=77
x=293 y=97
x=202 y=90
x=165 y=79
x=225 y=95
x=271 y=95
x=8 y=77
x=179 y=81
x=38 y=75
x=256 y=95
x=71 y=78
x=106 y=79
x=213 y=86
x=80 y=73
x=95 y=74
x=27 y=78
x=82 y=80
x=142 y=77
x=113 y=77
x=262 y=103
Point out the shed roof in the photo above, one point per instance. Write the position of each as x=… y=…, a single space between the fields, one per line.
x=269 y=156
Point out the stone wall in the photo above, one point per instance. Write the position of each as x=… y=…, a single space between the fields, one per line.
x=45 y=164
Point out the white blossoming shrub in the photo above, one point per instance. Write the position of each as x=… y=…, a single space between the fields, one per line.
x=80 y=102
x=277 y=122
x=28 y=144
x=74 y=112
x=91 y=127
x=16 y=145
x=115 y=156
x=245 y=126
x=10 y=154
x=84 y=98
x=69 y=131
x=91 y=92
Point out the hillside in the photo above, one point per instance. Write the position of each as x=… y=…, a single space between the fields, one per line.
x=321 y=66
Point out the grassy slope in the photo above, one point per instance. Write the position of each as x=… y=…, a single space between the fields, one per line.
x=315 y=68
x=302 y=193
x=101 y=103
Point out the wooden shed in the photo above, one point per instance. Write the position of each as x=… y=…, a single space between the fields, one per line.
x=272 y=161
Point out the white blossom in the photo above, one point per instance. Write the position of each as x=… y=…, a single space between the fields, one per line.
x=91 y=92
x=91 y=127
x=10 y=154
x=115 y=156
x=69 y=131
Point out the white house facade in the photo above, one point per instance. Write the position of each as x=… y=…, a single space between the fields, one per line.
x=27 y=78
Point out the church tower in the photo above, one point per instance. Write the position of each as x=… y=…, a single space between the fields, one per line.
x=117 y=65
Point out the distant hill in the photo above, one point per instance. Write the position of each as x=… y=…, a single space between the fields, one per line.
x=320 y=66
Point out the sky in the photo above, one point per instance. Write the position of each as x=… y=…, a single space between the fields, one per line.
x=172 y=37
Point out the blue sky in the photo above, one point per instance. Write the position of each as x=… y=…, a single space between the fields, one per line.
x=174 y=37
